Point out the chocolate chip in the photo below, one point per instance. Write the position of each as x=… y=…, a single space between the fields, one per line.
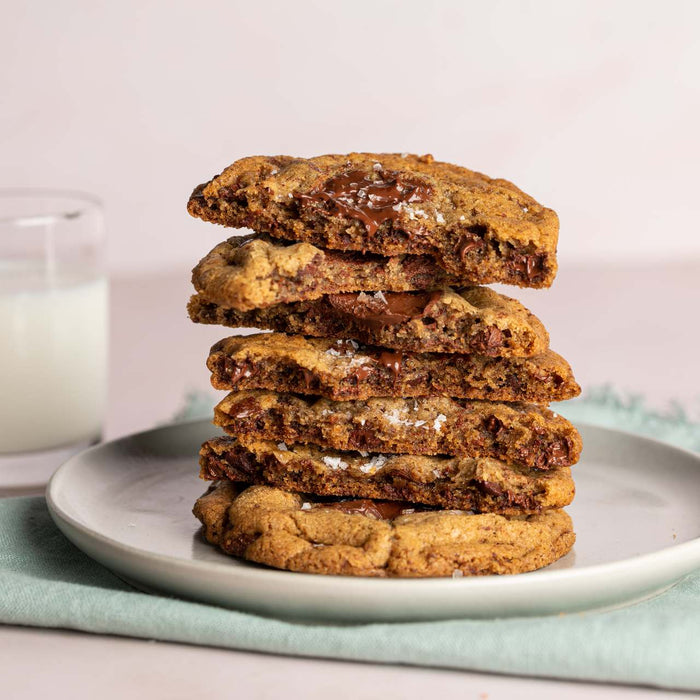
x=364 y=439
x=372 y=198
x=472 y=240
x=245 y=462
x=238 y=370
x=493 y=425
x=487 y=340
x=559 y=453
x=492 y=489
x=529 y=266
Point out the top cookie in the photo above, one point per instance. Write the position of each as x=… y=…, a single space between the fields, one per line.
x=484 y=230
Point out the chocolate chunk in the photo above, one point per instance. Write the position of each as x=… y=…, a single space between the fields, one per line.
x=487 y=341
x=371 y=199
x=382 y=510
x=559 y=452
x=492 y=489
x=389 y=309
x=391 y=359
x=493 y=425
x=364 y=439
x=473 y=239
x=237 y=371
x=244 y=462
x=361 y=373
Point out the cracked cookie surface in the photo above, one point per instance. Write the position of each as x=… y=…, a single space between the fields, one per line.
x=370 y=538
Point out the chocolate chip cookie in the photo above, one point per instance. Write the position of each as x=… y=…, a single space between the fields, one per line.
x=481 y=485
x=249 y=272
x=481 y=229
x=471 y=320
x=374 y=538
x=344 y=369
x=521 y=434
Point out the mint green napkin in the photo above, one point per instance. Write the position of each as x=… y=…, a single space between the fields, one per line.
x=45 y=581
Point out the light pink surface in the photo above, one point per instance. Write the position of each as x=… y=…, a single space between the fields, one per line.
x=591 y=106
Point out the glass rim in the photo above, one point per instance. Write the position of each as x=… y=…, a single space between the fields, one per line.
x=89 y=201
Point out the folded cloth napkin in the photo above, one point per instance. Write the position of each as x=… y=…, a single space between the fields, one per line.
x=45 y=581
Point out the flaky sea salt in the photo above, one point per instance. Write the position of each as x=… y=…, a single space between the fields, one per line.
x=437 y=424
x=377 y=167
x=335 y=463
x=380 y=297
x=282 y=446
x=413 y=214
x=375 y=463
x=440 y=218
x=306 y=506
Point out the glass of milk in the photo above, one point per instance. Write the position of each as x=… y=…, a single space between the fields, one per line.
x=53 y=332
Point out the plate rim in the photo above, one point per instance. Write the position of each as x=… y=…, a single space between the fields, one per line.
x=674 y=555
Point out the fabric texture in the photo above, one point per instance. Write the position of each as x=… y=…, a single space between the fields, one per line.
x=45 y=581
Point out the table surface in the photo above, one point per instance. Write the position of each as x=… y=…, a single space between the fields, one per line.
x=633 y=328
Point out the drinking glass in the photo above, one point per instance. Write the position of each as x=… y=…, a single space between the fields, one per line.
x=53 y=331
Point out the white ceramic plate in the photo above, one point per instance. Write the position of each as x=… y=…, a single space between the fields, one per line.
x=128 y=505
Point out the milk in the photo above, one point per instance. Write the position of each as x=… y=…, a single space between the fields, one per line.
x=53 y=360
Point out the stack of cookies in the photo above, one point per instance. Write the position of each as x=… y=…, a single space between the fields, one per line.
x=395 y=421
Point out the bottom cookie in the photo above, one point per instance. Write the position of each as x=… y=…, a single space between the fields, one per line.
x=309 y=534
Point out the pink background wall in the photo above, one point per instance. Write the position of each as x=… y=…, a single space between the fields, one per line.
x=593 y=107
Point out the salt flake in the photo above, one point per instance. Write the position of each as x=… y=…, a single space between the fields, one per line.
x=437 y=424
x=375 y=463
x=335 y=463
